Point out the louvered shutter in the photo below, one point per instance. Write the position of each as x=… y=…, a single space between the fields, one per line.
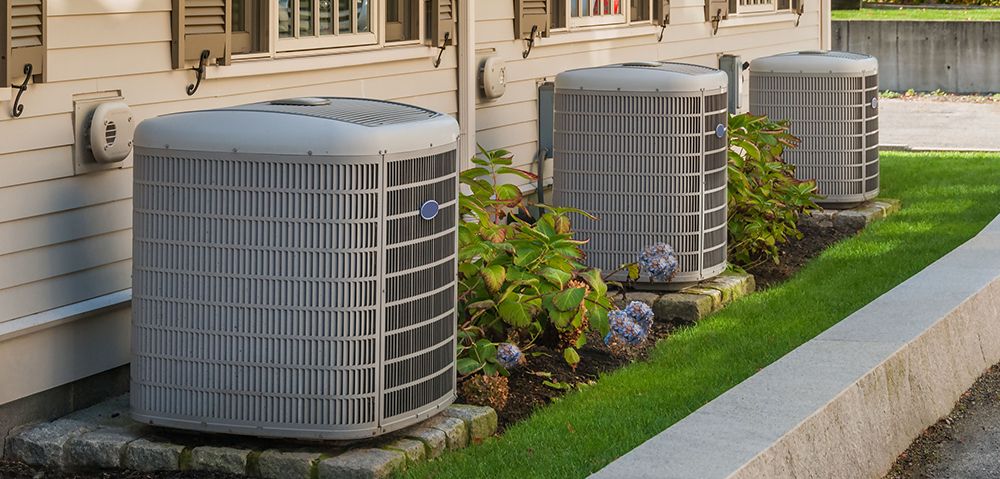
x=23 y=39
x=532 y=13
x=443 y=22
x=796 y=5
x=661 y=12
x=202 y=25
x=715 y=7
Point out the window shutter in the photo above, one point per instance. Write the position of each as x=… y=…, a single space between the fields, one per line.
x=716 y=7
x=529 y=14
x=796 y=5
x=443 y=20
x=23 y=39
x=202 y=25
x=661 y=12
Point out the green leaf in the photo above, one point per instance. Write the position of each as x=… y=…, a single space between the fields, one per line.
x=467 y=366
x=561 y=319
x=485 y=304
x=494 y=277
x=514 y=313
x=557 y=385
x=571 y=356
x=509 y=193
x=570 y=299
x=556 y=276
x=593 y=278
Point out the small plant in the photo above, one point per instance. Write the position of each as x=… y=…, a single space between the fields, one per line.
x=519 y=282
x=765 y=199
x=487 y=390
x=890 y=94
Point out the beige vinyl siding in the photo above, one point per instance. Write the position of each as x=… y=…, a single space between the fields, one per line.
x=66 y=238
x=510 y=121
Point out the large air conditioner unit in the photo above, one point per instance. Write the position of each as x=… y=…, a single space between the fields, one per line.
x=831 y=100
x=642 y=146
x=295 y=268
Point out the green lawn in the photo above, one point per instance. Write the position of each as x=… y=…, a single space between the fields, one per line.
x=947 y=199
x=934 y=14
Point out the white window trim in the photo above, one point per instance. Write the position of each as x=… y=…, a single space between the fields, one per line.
x=607 y=32
x=747 y=19
x=312 y=60
x=622 y=20
x=333 y=44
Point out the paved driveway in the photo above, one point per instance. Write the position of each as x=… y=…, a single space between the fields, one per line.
x=939 y=124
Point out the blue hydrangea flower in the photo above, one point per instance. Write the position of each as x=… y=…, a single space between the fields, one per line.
x=509 y=355
x=641 y=313
x=624 y=328
x=659 y=261
x=616 y=317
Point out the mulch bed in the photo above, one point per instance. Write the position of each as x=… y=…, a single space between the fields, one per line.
x=816 y=238
x=528 y=391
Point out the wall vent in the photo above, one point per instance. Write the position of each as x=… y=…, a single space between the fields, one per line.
x=288 y=280
x=831 y=100
x=643 y=147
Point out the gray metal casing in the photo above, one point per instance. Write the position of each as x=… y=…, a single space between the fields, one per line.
x=285 y=282
x=831 y=100
x=637 y=146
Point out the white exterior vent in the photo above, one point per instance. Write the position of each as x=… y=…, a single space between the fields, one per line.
x=643 y=147
x=295 y=268
x=831 y=99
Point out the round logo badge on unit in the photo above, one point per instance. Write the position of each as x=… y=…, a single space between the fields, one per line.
x=720 y=131
x=429 y=210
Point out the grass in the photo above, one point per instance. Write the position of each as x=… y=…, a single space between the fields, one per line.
x=921 y=14
x=947 y=199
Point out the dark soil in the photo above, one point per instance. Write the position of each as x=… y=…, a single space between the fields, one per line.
x=528 y=390
x=937 y=443
x=817 y=236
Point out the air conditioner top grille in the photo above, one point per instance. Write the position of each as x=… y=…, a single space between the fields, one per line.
x=813 y=62
x=323 y=126
x=662 y=77
x=359 y=111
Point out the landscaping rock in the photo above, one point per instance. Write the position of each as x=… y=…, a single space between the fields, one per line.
x=362 y=464
x=434 y=440
x=704 y=290
x=220 y=459
x=101 y=449
x=274 y=464
x=412 y=448
x=43 y=444
x=148 y=456
x=111 y=413
x=454 y=430
x=480 y=421
x=648 y=298
x=682 y=308
x=732 y=285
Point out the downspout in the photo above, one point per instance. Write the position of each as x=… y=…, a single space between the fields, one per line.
x=467 y=72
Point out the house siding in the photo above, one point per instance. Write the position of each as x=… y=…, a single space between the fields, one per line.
x=511 y=121
x=66 y=238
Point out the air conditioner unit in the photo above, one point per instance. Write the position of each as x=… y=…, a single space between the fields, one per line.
x=643 y=147
x=831 y=99
x=295 y=268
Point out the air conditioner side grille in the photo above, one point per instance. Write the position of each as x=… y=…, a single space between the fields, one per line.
x=836 y=117
x=652 y=168
x=421 y=284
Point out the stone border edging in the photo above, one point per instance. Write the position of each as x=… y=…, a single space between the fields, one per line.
x=848 y=402
x=103 y=437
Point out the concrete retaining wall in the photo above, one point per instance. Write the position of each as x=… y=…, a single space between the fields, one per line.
x=847 y=403
x=956 y=57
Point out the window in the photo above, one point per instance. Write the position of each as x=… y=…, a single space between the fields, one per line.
x=583 y=13
x=249 y=26
x=759 y=6
x=595 y=12
x=402 y=20
x=306 y=24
